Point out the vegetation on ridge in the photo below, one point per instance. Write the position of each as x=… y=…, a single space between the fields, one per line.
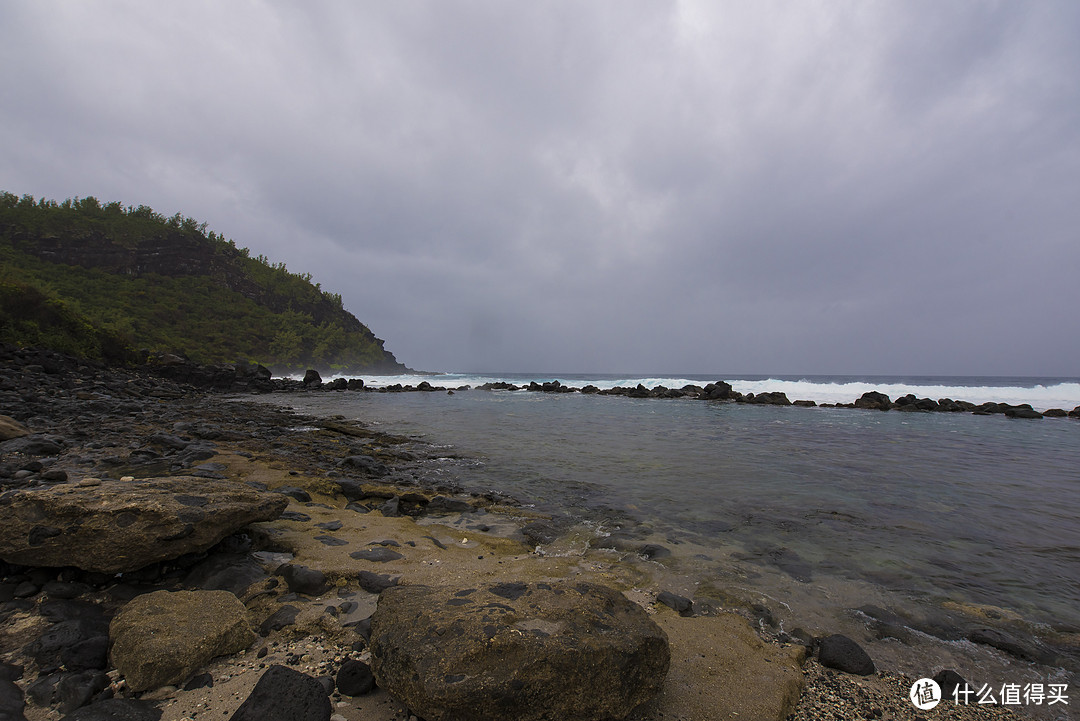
x=99 y=280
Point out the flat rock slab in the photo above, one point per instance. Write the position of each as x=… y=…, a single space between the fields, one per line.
x=120 y=526
x=164 y=637
x=532 y=651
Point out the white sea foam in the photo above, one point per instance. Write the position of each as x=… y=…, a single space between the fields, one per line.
x=1059 y=395
x=1064 y=395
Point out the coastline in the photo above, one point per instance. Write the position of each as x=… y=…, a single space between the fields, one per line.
x=481 y=541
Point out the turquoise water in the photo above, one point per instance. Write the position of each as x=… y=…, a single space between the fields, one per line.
x=973 y=509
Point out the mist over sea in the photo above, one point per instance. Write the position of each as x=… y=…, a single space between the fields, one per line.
x=821 y=509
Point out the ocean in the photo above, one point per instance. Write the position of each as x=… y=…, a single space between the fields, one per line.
x=816 y=511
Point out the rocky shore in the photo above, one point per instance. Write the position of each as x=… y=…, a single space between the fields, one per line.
x=240 y=378
x=168 y=552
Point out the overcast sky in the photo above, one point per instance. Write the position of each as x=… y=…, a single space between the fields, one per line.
x=623 y=186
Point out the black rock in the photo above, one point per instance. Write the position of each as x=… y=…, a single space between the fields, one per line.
x=363 y=628
x=116 y=709
x=374 y=582
x=91 y=654
x=352 y=490
x=331 y=540
x=840 y=652
x=448 y=505
x=355 y=678
x=200 y=680
x=26 y=589
x=279 y=619
x=296 y=493
x=233 y=572
x=683 y=605
x=949 y=680
x=392 y=508
x=11 y=696
x=874 y=400
x=364 y=464
x=329 y=525
x=43 y=691
x=64 y=590
x=302 y=579
x=294 y=516
x=376 y=555
x=312 y=379
x=47 y=648
x=77 y=689
x=10 y=672
x=34 y=445
x=283 y=694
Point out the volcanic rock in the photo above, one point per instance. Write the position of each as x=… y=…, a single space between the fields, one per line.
x=121 y=526
x=283 y=694
x=840 y=652
x=355 y=678
x=524 y=651
x=874 y=401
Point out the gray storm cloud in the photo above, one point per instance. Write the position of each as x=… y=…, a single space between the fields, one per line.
x=707 y=187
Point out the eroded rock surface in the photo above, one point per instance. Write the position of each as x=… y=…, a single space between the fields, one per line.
x=164 y=637
x=516 y=650
x=118 y=526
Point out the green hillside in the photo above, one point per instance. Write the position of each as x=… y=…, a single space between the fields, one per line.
x=102 y=280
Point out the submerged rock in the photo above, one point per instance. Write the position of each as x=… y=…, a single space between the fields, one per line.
x=120 y=526
x=515 y=650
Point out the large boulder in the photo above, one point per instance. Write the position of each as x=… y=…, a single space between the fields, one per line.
x=120 y=526
x=515 y=650
x=164 y=637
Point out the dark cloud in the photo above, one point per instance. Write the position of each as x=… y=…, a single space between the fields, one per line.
x=638 y=186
